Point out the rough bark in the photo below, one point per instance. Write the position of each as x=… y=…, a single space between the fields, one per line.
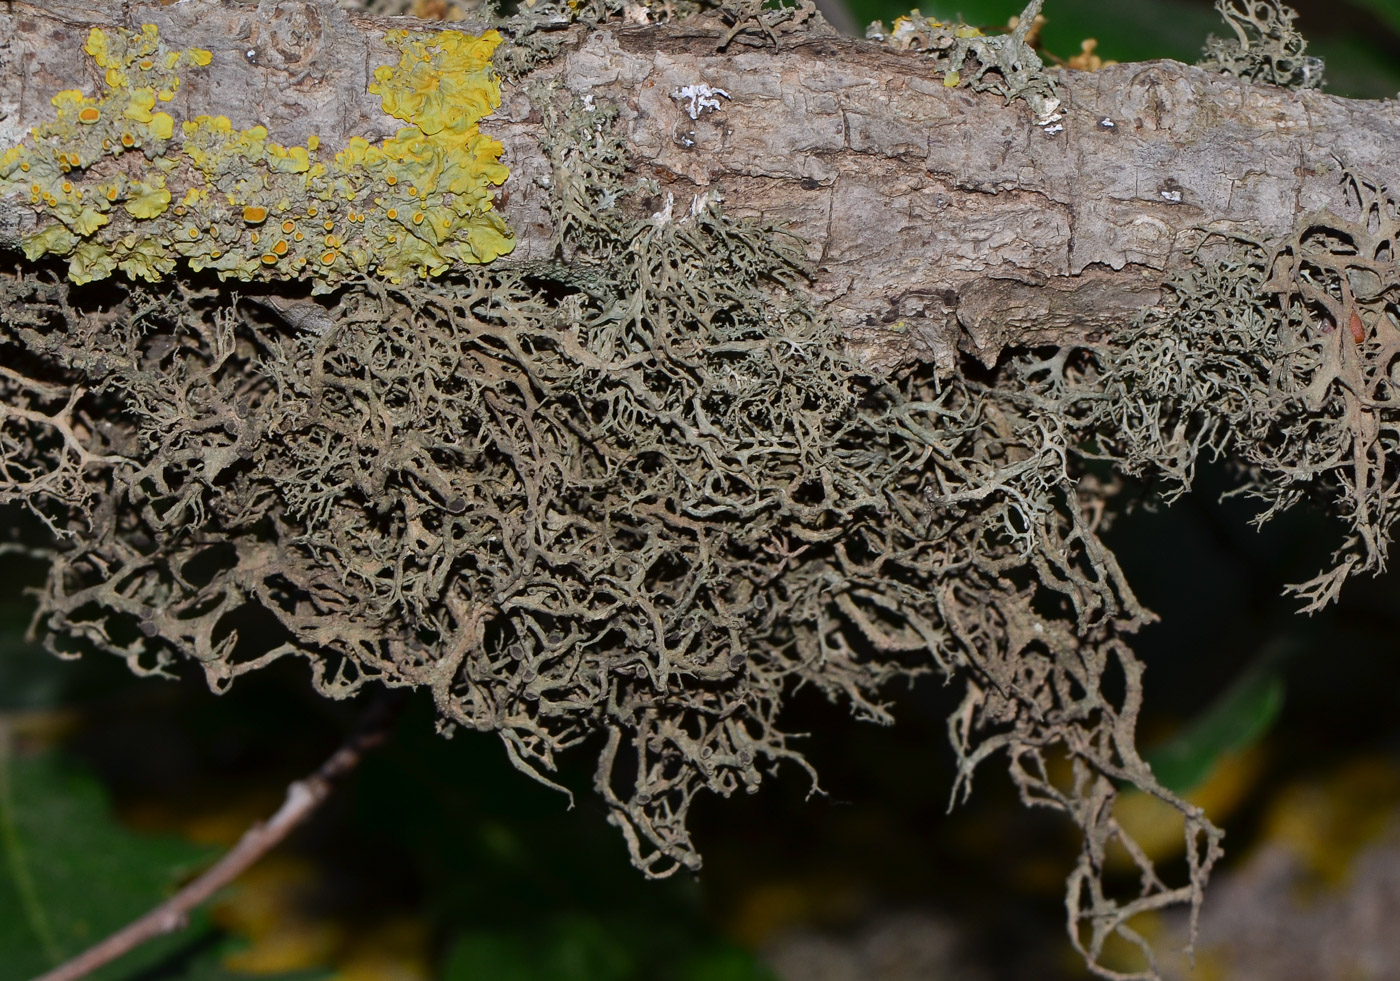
x=936 y=209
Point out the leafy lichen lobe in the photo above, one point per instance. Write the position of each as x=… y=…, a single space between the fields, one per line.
x=247 y=207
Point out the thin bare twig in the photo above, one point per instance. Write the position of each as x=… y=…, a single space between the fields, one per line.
x=303 y=797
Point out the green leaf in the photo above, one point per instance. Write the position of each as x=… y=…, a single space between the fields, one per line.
x=70 y=873
x=1235 y=720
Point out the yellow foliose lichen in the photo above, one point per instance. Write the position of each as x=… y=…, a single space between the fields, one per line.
x=235 y=202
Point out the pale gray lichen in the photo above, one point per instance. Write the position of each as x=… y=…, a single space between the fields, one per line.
x=1282 y=357
x=1266 y=46
x=1004 y=64
x=762 y=21
x=537 y=29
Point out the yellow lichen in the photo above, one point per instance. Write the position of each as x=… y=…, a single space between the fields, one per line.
x=145 y=200
x=55 y=238
x=438 y=167
x=88 y=221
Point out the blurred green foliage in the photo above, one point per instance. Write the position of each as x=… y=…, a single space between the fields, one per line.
x=582 y=948
x=73 y=874
x=1239 y=717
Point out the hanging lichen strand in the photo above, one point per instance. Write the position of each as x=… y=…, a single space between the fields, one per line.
x=1283 y=357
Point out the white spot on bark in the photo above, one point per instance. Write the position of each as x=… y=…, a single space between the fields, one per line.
x=664 y=215
x=699 y=98
x=705 y=201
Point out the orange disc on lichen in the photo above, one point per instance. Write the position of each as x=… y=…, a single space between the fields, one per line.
x=254 y=214
x=88 y=114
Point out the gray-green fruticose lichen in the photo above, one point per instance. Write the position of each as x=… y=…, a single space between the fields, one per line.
x=1281 y=356
x=1004 y=64
x=1266 y=46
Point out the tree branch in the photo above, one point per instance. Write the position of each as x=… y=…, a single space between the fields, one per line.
x=303 y=798
x=934 y=210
